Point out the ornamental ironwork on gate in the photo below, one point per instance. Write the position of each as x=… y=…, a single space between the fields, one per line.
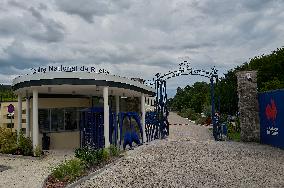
x=92 y=128
x=128 y=132
x=157 y=125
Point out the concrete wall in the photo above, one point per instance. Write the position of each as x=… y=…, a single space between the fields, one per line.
x=4 y=121
x=63 y=140
x=248 y=106
x=63 y=102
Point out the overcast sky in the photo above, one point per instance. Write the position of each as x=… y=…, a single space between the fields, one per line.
x=137 y=38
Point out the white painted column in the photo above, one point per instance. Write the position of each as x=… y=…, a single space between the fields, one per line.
x=19 y=128
x=117 y=118
x=35 y=119
x=27 y=116
x=143 y=113
x=106 y=117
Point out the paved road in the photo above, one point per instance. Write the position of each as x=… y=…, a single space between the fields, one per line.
x=191 y=158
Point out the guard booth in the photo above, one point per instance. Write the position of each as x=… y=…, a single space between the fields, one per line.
x=55 y=99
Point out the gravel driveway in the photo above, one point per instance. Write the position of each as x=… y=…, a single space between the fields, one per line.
x=28 y=173
x=191 y=158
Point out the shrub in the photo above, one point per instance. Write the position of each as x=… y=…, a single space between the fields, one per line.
x=9 y=146
x=114 y=151
x=69 y=170
x=89 y=156
x=187 y=113
x=100 y=155
x=238 y=125
x=93 y=157
x=105 y=154
x=234 y=131
x=8 y=141
x=201 y=120
x=194 y=116
x=37 y=151
x=207 y=110
x=80 y=153
x=25 y=145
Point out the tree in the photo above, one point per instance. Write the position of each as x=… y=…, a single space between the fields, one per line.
x=270 y=76
x=194 y=97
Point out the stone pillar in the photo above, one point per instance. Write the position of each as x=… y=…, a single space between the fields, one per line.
x=35 y=119
x=248 y=106
x=106 y=117
x=143 y=116
x=27 y=116
x=19 y=128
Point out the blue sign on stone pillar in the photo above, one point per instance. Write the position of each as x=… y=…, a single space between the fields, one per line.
x=271 y=112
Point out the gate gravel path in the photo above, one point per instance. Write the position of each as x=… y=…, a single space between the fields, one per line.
x=191 y=158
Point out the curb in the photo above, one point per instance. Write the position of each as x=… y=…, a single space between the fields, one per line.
x=179 y=124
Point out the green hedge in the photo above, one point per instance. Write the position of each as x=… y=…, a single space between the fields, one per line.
x=69 y=170
x=86 y=159
x=94 y=157
x=9 y=144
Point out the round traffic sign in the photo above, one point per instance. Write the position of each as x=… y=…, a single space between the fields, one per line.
x=11 y=108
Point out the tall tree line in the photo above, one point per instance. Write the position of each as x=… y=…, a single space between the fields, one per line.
x=270 y=76
x=6 y=93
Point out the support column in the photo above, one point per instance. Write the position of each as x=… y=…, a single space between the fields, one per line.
x=143 y=116
x=117 y=112
x=106 y=117
x=27 y=116
x=35 y=119
x=19 y=128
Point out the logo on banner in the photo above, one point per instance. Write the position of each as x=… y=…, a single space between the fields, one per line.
x=271 y=114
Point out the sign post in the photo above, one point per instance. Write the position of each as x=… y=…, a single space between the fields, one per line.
x=11 y=110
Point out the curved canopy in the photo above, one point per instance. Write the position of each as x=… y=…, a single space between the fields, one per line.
x=79 y=83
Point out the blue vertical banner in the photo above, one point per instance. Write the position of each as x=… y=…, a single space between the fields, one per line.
x=271 y=112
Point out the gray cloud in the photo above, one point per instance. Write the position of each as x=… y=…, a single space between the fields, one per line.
x=53 y=31
x=17 y=4
x=87 y=9
x=137 y=38
x=30 y=24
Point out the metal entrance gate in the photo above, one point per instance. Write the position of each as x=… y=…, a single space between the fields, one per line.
x=92 y=128
x=159 y=128
x=151 y=126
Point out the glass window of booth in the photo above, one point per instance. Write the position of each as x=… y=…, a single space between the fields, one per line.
x=58 y=119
